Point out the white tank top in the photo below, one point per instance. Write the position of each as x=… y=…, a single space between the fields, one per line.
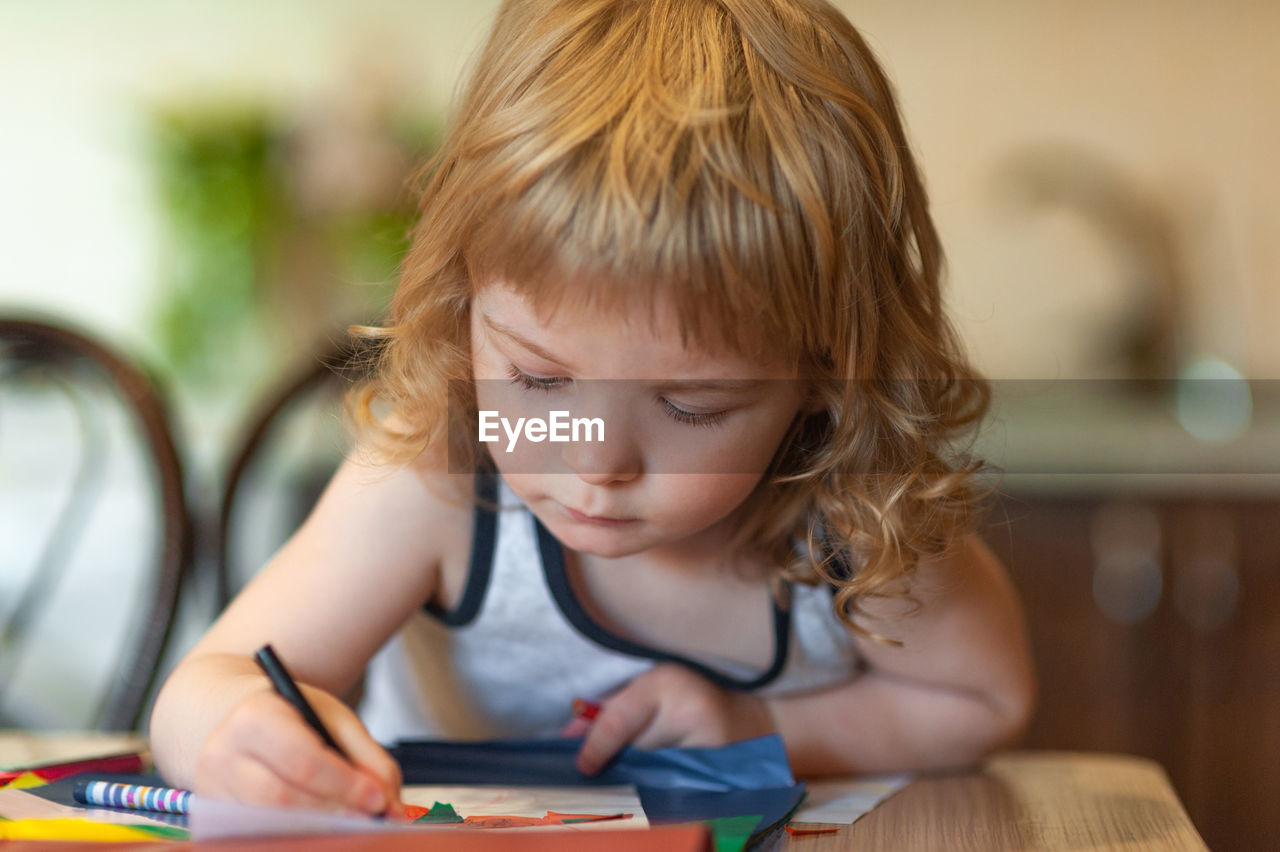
x=508 y=661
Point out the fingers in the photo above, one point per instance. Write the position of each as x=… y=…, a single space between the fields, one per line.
x=254 y=781
x=372 y=759
x=263 y=752
x=666 y=706
x=577 y=727
x=622 y=719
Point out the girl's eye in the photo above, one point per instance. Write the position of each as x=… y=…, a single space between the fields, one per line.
x=692 y=418
x=540 y=383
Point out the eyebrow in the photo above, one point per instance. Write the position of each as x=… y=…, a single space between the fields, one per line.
x=732 y=385
x=522 y=340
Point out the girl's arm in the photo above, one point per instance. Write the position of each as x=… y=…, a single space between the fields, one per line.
x=369 y=554
x=960 y=685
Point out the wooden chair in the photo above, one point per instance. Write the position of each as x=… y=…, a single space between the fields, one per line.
x=95 y=535
x=289 y=446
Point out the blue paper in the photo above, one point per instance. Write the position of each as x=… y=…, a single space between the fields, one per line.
x=747 y=765
x=774 y=804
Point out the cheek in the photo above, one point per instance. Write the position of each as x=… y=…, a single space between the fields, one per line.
x=516 y=454
x=526 y=486
x=696 y=500
x=743 y=447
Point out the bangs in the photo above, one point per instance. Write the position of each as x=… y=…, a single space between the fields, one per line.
x=626 y=266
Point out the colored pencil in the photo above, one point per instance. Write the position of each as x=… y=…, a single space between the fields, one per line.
x=133 y=796
x=584 y=709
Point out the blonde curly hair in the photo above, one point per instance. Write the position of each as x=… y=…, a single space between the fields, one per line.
x=744 y=159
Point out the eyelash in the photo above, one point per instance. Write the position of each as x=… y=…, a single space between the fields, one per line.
x=688 y=417
x=528 y=382
x=547 y=385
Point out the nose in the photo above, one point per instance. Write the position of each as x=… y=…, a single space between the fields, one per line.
x=616 y=459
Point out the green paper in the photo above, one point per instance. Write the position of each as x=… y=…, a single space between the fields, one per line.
x=730 y=834
x=165 y=832
x=440 y=813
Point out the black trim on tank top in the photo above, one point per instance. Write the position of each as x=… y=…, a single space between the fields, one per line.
x=483 y=539
x=553 y=566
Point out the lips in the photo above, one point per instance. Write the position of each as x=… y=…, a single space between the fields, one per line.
x=597 y=520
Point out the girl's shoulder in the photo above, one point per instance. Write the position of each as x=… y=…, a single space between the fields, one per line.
x=416 y=516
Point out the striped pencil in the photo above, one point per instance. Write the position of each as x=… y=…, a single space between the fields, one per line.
x=135 y=796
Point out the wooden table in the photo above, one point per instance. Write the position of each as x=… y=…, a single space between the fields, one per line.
x=1027 y=800
x=1019 y=800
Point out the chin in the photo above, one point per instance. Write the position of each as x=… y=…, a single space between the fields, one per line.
x=601 y=543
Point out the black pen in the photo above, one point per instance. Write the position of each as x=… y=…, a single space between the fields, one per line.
x=288 y=689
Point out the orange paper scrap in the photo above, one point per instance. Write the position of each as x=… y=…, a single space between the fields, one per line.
x=552 y=818
x=807 y=832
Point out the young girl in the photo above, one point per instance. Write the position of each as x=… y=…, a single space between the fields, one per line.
x=696 y=223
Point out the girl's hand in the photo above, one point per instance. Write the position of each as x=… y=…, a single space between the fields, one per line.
x=264 y=753
x=668 y=705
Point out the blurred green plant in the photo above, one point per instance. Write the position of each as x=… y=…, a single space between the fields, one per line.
x=250 y=270
x=221 y=199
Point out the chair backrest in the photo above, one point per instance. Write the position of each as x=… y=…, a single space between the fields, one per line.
x=95 y=535
x=286 y=451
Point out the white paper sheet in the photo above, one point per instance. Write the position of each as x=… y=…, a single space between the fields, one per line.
x=211 y=819
x=475 y=800
x=842 y=802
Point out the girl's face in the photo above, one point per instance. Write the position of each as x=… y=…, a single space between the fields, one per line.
x=686 y=434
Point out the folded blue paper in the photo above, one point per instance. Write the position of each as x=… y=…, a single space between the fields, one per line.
x=674 y=784
x=748 y=765
x=771 y=804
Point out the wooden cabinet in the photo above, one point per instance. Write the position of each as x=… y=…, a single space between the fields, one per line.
x=1155 y=623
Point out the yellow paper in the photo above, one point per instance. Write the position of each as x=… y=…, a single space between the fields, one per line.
x=71 y=829
x=26 y=780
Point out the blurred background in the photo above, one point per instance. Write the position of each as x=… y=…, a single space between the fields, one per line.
x=215 y=190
